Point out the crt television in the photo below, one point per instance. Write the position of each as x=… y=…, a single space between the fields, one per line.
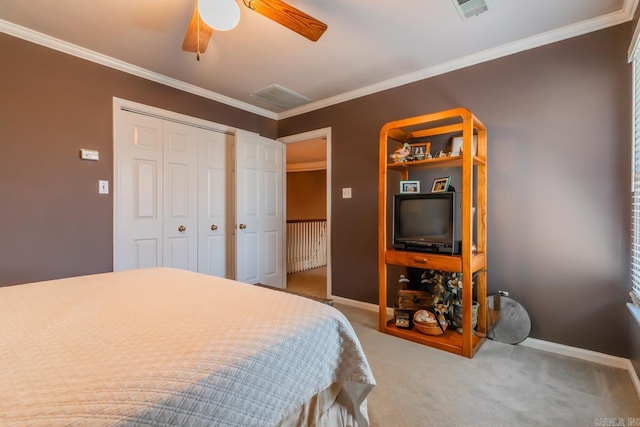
x=427 y=222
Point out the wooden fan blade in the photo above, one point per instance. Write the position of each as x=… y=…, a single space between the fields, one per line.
x=289 y=16
x=190 y=43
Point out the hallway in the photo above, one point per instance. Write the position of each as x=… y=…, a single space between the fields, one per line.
x=310 y=282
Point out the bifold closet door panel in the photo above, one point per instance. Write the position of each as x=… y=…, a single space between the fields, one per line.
x=213 y=202
x=156 y=193
x=138 y=190
x=180 y=187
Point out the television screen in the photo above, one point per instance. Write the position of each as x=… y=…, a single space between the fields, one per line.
x=425 y=217
x=427 y=222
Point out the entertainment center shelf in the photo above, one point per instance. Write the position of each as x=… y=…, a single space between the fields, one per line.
x=471 y=261
x=444 y=162
x=451 y=341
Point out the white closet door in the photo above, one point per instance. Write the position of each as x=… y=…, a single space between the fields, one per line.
x=138 y=186
x=180 y=186
x=259 y=210
x=213 y=202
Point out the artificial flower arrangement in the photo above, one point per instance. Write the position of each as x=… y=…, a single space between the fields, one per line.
x=446 y=288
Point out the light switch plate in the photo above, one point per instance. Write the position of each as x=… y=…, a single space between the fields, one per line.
x=103 y=187
x=346 y=193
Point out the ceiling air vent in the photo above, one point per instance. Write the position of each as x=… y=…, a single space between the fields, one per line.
x=469 y=8
x=281 y=97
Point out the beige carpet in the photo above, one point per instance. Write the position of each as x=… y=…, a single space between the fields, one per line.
x=503 y=385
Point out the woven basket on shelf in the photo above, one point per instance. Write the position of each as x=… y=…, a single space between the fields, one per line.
x=429 y=326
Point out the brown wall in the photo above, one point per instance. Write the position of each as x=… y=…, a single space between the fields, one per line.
x=558 y=120
x=53 y=223
x=307 y=195
x=559 y=127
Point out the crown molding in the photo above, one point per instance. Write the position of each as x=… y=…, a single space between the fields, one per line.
x=629 y=7
x=90 y=55
x=623 y=15
x=633 y=46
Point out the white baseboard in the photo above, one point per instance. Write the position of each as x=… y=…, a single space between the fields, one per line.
x=359 y=304
x=549 y=347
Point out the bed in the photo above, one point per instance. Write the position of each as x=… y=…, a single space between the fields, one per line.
x=166 y=347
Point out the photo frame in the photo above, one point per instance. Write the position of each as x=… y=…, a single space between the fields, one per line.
x=409 y=187
x=420 y=151
x=455 y=145
x=440 y=185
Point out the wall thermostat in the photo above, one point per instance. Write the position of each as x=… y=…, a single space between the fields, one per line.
x=89 y=154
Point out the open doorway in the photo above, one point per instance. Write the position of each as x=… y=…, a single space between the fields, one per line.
x=308 y=210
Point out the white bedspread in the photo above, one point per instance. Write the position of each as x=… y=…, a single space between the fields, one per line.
x=167 y=347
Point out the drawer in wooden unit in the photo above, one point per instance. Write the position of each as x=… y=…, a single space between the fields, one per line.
x=424 y=260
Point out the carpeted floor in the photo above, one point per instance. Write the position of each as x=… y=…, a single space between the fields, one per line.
x=503 y=385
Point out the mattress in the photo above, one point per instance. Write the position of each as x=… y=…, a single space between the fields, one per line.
x=167 y=347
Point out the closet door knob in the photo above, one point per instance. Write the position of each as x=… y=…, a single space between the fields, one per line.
x=214 y=227
x=242 y=226
x=182 y=228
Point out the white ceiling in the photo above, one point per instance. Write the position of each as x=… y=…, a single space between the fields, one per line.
x=369 y=45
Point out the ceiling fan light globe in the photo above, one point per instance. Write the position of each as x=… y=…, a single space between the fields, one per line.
x=221 y=15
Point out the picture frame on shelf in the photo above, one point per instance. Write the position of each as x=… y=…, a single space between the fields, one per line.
x=420 y=151
x=440 y=185
x=455 y=146
x=409 y=187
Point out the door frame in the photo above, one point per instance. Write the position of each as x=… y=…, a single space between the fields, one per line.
x=318 y=133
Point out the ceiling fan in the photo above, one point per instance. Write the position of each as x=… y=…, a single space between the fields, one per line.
x=199 y=32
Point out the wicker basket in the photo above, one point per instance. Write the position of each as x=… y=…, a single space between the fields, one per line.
x=429 y=327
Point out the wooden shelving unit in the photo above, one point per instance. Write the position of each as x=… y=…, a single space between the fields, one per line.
x=454 y=122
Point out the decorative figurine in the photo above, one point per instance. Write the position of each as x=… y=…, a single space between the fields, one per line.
x=402 y=154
